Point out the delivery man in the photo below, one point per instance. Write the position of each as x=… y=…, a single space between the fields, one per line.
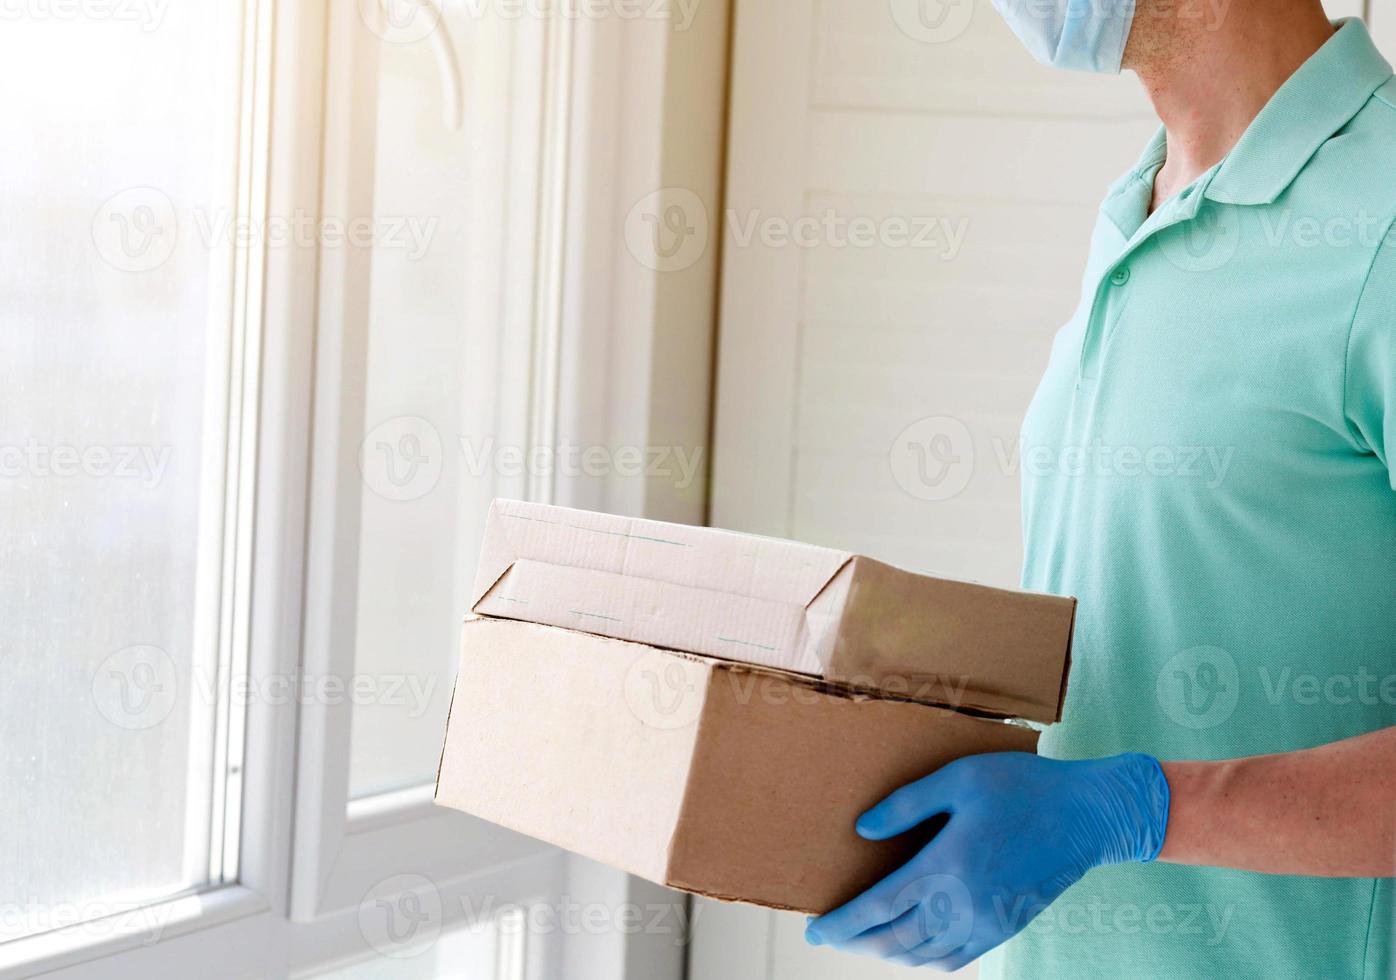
x=1210 y=466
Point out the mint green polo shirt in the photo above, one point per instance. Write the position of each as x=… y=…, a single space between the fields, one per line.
x=1208 y=466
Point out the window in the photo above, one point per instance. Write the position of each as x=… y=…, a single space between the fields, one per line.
x=117 y=338
x=290 y=290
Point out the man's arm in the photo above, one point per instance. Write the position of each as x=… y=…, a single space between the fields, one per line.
x=1022 y=829
x=1328 y=811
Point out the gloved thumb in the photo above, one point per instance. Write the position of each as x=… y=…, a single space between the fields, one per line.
x=908 y=807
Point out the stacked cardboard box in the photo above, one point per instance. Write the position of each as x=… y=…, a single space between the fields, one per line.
x=712 y=710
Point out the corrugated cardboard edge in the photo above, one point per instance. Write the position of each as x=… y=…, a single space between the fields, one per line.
x=685 y=811
x=1066 y=668
x=450 y=713
x=490 y=553
x=445 y=740
x=824 y=638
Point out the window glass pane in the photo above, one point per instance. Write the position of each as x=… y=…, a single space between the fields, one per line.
x=433 y=396
x=116 y=137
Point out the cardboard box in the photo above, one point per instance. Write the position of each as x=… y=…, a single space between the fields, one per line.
x=731 y=781
x=793 y=607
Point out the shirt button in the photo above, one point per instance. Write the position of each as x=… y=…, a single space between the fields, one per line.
x=1121 y=276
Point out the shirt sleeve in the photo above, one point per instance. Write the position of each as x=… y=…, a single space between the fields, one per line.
x=1370 y=388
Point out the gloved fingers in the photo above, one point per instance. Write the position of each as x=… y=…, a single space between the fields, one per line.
x=896 y=938
x=933 y=959
x=913 y=804
x=875 y=907
x=926 y=931
x=942 y=904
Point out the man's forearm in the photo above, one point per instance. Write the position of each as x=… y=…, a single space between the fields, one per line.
x=1328 y=811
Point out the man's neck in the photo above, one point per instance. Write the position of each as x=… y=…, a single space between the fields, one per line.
x=1209 y=77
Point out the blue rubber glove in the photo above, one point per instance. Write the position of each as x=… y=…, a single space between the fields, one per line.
x=1021 y=830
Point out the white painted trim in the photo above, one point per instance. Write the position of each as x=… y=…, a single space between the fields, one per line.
x=275 y=590
x=322 y=788
x=549 y=270
x=204 y=813
x=757 y=378
x=249 y=324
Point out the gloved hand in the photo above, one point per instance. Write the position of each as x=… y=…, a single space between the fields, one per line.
x=1021 y=830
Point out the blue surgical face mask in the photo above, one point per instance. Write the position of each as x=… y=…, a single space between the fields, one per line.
x=1085 y=35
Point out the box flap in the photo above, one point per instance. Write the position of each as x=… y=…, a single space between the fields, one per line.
x=991 y=651
x=711 y=592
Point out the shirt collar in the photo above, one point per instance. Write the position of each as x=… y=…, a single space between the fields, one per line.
x=1127 y=202
x=1313 y=104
